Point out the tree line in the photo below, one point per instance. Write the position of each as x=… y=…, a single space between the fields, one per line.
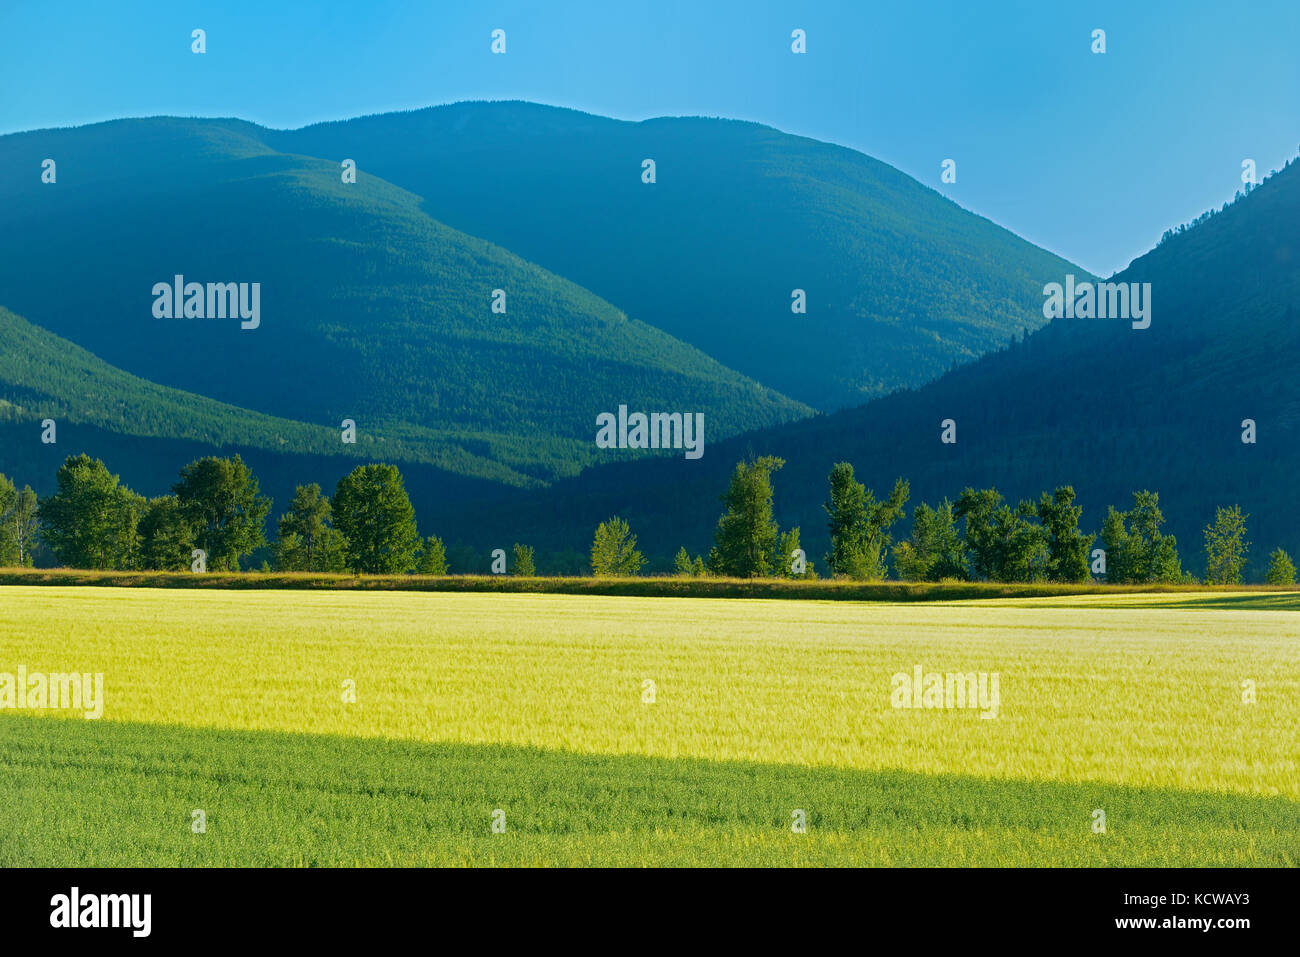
x=216 y=509
x=978 y=537
x=214 y=519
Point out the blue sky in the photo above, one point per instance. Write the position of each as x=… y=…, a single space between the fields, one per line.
x=1092 y=156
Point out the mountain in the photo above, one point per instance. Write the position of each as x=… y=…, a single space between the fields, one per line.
x=1093 y=403
x=43 y=376
x=146 y=432
x=369 y=308
x=901 y=283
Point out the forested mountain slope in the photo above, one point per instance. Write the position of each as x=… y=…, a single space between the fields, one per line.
x=1093 y=403
x=369 y=309
x=900 y=281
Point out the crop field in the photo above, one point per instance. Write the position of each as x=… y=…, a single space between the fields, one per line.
x=320 y=728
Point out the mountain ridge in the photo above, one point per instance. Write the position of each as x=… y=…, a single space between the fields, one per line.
x=820 y=202
x=357 y=278
x=1090 y=403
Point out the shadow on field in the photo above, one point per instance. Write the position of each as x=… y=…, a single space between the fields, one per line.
x=75 y=792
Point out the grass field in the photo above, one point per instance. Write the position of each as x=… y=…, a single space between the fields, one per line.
x=232 y=702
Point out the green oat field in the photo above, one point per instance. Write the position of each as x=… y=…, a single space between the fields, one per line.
x=530 y=710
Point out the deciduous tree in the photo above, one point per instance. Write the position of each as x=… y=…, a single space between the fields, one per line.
x=1281 y=570
x=744 y=543
x=219 y=498
x=374 y=513
x=1226 y=547
x=613 y=551
x=92 y=520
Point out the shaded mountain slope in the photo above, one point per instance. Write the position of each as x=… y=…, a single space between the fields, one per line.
x=900 y=282
x=369 y=309
x=1088 y=402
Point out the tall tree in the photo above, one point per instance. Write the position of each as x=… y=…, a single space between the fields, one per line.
x=1115 y=545
x=744 y=543
x=306 y=541
x=1226 y=547
x=881 y=517
x=219 y=498
x=1067 y=546
x=1156 y=553
x=1004 y=543
x=613 y=550
x=92 y=520
x=934 y=550
x=8 y=542
x=977 y=509
x=1137 y=552
x=374 y=513
x=859 y=525
x=22 y=523
x=166 y=536
x=846 y=512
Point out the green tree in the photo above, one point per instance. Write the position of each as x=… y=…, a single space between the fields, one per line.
x=92 y=520
x=881 y=517
x=374 y=513
x=846 y=512
x=1137 y=552
x=613 y=551
x=859 y=525
x=219 y=498
x=433 y=557
x=1115 y=545
x=1281 y=570
x=787 y=546
x=744 y=543
x=1004 y=544
x=1024 y=546
x=22 y=522
x=934 y=550
x=18 y=524
x=166 y=536
x=306 y=541
x=1226 y=547
x=698 y=569
x=524 y=566
x=977 y=510
x=1156 y=554
x=1067 y=546
x=8 y=499
x=682 y=563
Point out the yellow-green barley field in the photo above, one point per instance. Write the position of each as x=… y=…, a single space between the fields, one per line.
x=523 y=729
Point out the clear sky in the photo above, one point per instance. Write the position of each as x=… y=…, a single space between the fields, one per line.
x=1091 y=155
